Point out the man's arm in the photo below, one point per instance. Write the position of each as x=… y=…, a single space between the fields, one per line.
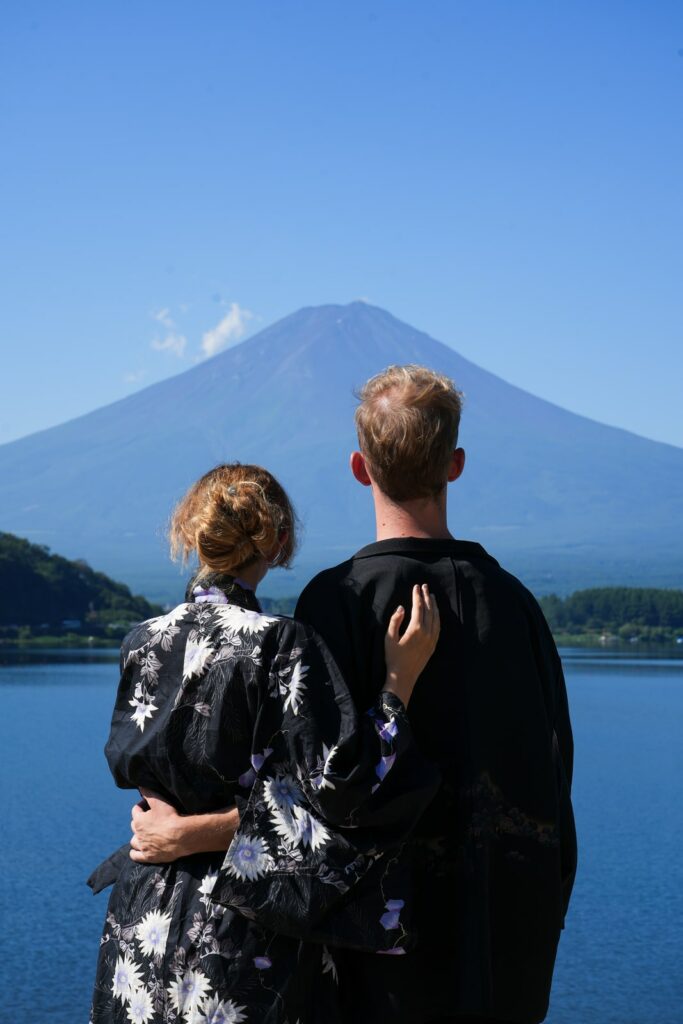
x=161 y=835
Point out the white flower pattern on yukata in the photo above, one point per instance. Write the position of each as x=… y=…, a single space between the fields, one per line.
x=238 y=706
x=294 y=687
x=143 y=710
x=199 y=652
x=152 y=933
x=282 y=792
x=140 y=1007
x=189 y=992
x=248 y=857
x=240 y=623
x=223 y=1011
x=126 y=978
x=207 y=883
x=165 y=628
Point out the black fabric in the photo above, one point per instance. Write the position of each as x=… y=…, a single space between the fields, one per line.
x=106 y=873
x=494 y=855
x=208 y=585
x=218 y=704
x=467 y=1020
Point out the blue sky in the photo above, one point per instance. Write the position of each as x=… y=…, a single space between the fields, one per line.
x=504 y=175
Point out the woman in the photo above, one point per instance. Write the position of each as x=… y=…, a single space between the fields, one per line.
x=219 y=704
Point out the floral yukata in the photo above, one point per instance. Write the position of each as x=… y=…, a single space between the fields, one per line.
x=219 y=704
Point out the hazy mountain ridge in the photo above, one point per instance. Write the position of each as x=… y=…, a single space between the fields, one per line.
x=559 y=498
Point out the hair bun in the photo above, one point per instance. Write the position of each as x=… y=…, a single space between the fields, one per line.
x=230 y=525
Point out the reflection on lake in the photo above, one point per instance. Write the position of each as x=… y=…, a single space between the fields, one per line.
x=619 y=960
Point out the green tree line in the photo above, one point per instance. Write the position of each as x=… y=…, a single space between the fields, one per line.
x=624 y=611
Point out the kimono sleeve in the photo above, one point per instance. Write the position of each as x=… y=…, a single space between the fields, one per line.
x=564 y=744
x=335 y=796
x=563 y=751
x=356 y=768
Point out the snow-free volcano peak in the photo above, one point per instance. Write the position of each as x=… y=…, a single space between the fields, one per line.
x=561 y=499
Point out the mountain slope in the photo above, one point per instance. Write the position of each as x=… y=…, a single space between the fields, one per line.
x=41 y=589
x=562 y=499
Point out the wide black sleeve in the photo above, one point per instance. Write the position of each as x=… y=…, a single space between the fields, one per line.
x=359 y=767
x=550 y=667
x=335 y=794
x=563 y=738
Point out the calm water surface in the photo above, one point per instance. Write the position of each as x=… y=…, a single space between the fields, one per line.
x=620 y=959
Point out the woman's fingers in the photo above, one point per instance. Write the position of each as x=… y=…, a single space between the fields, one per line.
x=432 y=619
x=424 y=624
x=428 y=609
x=395 y=624
x=417 y=611
x=429 y=625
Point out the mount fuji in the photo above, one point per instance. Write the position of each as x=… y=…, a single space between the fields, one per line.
x=561 y=500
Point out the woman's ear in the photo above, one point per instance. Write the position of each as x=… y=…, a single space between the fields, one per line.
x=275 y=554
x=360 y=469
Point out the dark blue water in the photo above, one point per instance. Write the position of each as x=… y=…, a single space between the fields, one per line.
x=620 y=959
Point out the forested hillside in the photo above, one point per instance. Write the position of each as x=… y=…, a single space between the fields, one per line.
x=44 y=593
x=624 y=612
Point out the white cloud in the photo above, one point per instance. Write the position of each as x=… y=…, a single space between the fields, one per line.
x=134 y=376
x=173 y=342
x=164 y=317
x=228 y=331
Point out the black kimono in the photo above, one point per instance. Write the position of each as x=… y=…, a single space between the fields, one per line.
x=494 y=855
x=219 y=704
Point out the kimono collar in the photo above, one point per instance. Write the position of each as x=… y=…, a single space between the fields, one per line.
x=220 y=588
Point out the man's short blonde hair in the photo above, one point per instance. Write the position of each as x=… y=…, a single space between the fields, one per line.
x=407 y=424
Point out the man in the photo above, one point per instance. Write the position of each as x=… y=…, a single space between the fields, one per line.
x=494 y=857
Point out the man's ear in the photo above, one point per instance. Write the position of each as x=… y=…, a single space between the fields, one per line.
x=457 y=464
x=359 y=469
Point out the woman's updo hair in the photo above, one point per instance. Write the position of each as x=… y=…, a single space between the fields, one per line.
x=232 y=516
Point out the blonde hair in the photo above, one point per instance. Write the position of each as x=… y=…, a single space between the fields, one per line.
x=232 y=516
x=407 y=424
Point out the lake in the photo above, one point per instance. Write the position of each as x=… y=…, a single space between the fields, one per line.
x=620 y=959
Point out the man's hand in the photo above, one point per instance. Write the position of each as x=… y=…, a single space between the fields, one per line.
x=157 y=833
x=161 y=835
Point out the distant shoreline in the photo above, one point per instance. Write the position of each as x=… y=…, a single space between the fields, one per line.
x=71 y=641
x=597 y=641
x=593 y=641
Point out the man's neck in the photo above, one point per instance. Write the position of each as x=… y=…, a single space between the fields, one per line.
x=424 y=517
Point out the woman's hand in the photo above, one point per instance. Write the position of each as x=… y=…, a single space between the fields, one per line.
x=407 y=655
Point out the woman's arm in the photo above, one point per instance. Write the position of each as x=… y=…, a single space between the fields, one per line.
x=161 y=835
x=371 y=773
